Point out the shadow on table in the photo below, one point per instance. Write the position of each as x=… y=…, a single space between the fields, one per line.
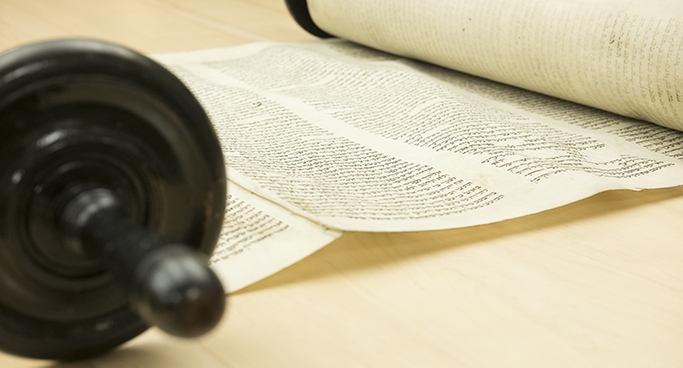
x=151 y=349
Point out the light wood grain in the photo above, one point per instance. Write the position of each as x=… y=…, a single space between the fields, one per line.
x=598 y=283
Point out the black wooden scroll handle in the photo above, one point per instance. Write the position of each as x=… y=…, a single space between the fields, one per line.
x=112 y=197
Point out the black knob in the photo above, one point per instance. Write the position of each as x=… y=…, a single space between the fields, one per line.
x=168 y=285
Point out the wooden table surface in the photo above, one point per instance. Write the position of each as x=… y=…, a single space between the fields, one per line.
x=597 y=283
